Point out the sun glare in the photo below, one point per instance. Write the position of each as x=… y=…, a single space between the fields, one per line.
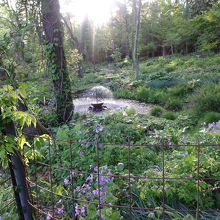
x=99 y=11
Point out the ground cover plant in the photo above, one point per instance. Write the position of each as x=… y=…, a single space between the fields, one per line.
x=180 y=162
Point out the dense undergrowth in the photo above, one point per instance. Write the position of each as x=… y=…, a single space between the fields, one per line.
x=180 y=162
x=185 y=92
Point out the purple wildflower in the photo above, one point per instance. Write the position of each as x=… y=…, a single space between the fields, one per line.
x=72 y=173
x=98 y=129
x=80 y=152
x=89 y=178
x=95 y=192
x=99 y=214
x=218 y=131
x=66 y=181
x=49 y=216
x=184 y=154
x=151 y=214
x=60 y=211
x=83 y=211
x=7 y=214
x=60 y=201
x=170 y=145
x=77 y=210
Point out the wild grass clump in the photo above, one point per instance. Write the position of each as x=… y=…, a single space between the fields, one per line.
x=125 y=94
x=156 y=111
x=143 y=94
x=210 y=117
x=88 y=81
x=169 y=115
x=173 y=104
x=163 y=83
x=130 y=111
x=206 y=99
x=180 y=91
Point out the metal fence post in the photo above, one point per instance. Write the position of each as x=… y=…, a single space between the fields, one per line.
x=18 y=177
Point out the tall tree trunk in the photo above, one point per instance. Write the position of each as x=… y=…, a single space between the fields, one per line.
x=137 y=12
x=83 y=30
x=172 y=49
x=56 y=59
x=3 y=75
x=73 y=39
x=127 y=44
x=186 y=48
x=164 y=50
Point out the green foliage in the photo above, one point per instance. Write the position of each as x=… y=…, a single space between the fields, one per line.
x=73 y=59
x=210 y=117
x=162 y=83
x=124 y=93
x=180 y=162
x=130 y=111
x=143 y=94
x=88 y=81
x=180 y=91
x=206 y=99
x=156 y=111
x=114 y=85
x=169 y=115
x=50 y=119
x=116 y=56
x=173 y=104
x=9 y=114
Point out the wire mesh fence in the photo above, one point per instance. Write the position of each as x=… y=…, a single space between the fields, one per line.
x=62 y=188
x=7 y=201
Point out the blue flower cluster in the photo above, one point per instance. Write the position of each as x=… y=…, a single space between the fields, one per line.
x=214 y=127
x=87 y=190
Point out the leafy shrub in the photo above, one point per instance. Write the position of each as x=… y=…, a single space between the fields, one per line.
x=180 y=91
x=130 y=111
x=156 y=111
x=114 y=85
x=125 y=93
x=158 y=75
x=50 y=119
x=210 y=117
x=158 y=96
x=144 y=69
x=170 y=68
x=143 y=94
x=169 y=115
x=88 y=81
x=206 y=99
x=173 y=104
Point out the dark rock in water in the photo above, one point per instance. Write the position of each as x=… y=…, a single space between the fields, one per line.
x=97 y=107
